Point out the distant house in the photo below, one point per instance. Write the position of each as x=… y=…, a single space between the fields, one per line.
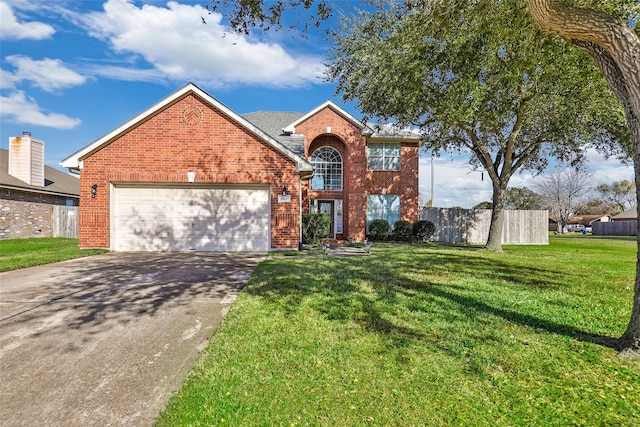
x=629 y=215
x=29 y=189
x=588 y=220
x=623 y=224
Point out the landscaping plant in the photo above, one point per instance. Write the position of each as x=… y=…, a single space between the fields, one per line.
x=315 y=228
x=379 y=229
x=402 y=230
x=423 y=230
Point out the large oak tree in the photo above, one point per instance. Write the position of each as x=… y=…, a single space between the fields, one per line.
x=606 y=30
x=472 y=80
x=613 y=43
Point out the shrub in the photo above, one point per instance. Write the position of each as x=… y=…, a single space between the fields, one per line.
x=423 y=230
x=315 y=228
x=402 y=230
x=379 y=229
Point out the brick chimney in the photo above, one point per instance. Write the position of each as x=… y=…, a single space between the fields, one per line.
x=26 y=159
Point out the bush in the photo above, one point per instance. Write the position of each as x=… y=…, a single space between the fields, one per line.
x=379 y=229
x=315 y=228
x=423 y=230
x=402 y=230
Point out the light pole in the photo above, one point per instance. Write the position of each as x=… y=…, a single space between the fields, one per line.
x=433 y=202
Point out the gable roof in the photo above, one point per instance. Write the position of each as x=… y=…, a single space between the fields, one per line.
x=587 y=219
x=56 y=182
x=273 y=124
x=74 y=161
x=628 y=214
x=291 y=128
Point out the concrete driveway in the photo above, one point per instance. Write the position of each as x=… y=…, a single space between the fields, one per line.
x=105 y=340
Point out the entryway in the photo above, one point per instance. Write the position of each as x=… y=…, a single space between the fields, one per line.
x=327 y=206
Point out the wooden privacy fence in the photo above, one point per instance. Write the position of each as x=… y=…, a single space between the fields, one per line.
x=64 y=221
x=471 y=226
x=615 y=228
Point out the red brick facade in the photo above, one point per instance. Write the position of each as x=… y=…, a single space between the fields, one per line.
x=191 y=132
x=188 y=136
x=328 y=128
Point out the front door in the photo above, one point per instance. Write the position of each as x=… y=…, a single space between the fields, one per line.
x=326 y=206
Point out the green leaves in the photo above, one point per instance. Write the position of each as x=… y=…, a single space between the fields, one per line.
x=477 y=67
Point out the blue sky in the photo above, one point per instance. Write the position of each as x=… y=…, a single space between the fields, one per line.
x=72 y=70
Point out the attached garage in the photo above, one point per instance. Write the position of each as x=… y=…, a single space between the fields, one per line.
x=190 y=218
x=189 y=174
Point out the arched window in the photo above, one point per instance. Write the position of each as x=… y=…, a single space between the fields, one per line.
x=328 y=165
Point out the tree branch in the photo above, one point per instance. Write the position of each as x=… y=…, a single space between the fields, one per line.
x=576 y=24
x=610 y=71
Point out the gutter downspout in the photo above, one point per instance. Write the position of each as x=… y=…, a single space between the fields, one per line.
x=300 y=247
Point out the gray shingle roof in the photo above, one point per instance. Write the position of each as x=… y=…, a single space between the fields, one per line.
x=627 y=215
x=272 y=124
x=393 y=132
x=56 y=182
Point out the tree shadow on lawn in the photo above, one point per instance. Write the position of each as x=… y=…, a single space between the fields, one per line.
x=365 y=291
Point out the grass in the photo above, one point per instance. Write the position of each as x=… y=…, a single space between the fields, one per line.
x=20 y=253
x=296 y=253
x=421 y=335
x=589 y=236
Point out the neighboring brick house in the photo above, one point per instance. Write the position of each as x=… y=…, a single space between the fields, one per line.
x=29 y=189
x=190 y=174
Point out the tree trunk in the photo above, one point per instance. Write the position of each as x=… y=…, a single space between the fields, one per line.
x=615 y=48
x=631 y=338
x=494 y=241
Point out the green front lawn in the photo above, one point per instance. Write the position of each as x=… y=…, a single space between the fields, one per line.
x=20 y=253
x=424 y=335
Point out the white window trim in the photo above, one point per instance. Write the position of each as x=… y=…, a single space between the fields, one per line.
x=341 y=169
x=383 y=156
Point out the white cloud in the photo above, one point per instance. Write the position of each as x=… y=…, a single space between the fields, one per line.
x=606 y=171
x=125 y=73
x=6 y=79
x=48 y=74
x=12 y=29
x=176 y=42
x=22 y=109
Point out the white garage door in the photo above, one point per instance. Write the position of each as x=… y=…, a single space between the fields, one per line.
x=190 y=218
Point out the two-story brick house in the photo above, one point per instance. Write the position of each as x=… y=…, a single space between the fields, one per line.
x=189 y=173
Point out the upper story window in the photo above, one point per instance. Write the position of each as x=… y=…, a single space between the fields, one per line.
x=383 y=156
x=328 y=165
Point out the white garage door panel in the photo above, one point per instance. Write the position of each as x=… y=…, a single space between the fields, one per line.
x=181 y=219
